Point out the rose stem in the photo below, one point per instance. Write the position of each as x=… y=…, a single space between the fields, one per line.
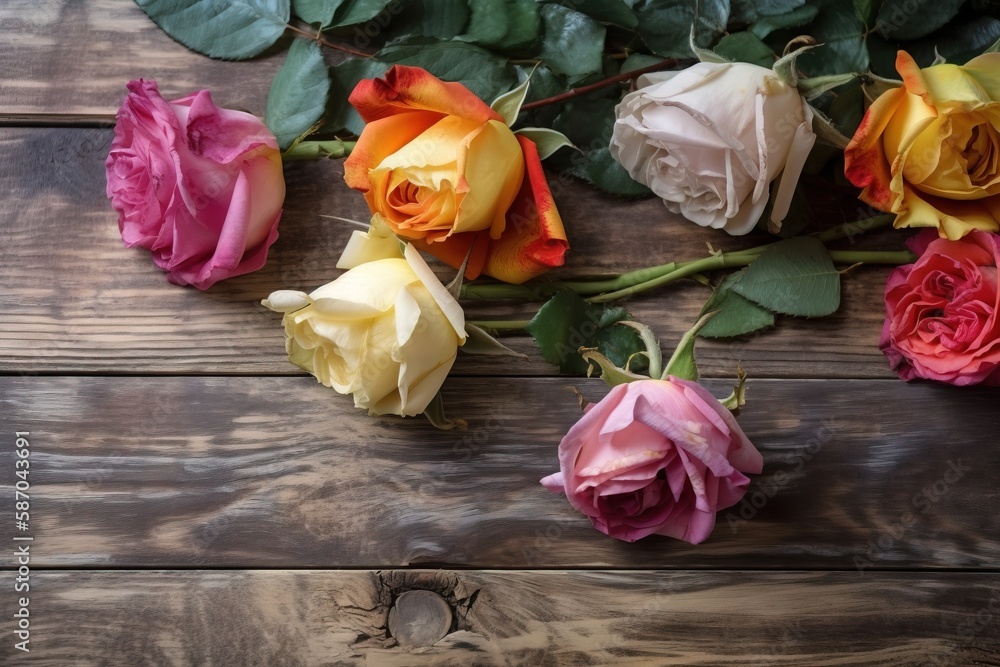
x=333 y=149
x=329 y=45
x=663 y=64
x=647 y=274
x=500 y=324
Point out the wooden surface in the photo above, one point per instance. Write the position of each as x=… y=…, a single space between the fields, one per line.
x=196 y=500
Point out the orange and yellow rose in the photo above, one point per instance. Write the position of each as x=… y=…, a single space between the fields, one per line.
x=930 y=151
x=443 y=170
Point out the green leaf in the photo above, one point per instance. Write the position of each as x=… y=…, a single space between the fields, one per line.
x=546 y=141
x=615 y=12
x=226 y=29
x=748 y=11
x=765 y=25
x=316 y=11
x=488 y=23
x=602 y=170
x=638 y=61
x=665 y=25
x=298 y=92
x=358 y=11
x=736 y=315
x=509 y=104
x=524 y=25
x=566 y=322
x=813 y=87
x=440 y=19
x=345 y=76
x=745 y=47
x=841 y=35
x=794 y=277
x=958 y=42
x=865 y=11
x=485 y=74
x=572 y=43
x=912 y=19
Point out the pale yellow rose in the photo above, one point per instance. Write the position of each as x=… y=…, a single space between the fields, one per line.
x=386 y=331
x=929 y=151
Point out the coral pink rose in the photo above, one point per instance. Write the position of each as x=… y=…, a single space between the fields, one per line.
x=941 y=311
x=655 y=457
x=199 y=186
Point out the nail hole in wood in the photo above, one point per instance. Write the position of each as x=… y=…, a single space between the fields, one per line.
x=419 y=618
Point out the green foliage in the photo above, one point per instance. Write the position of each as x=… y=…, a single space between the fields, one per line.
x=503 y=24
x=765 y=25
x=298 y=93
x=566 y=322
x=345 y=76
x=745 y=47
x=958 y=42
x=751 y=11
x=736 y=315
x=615 y=12
x=665 y=25
x=912 y=19
x=358 y=11
x=842 y=36
x=318 y=12
x=794 y=277
x=572 y=43
x=546 y=141
x=226 y=29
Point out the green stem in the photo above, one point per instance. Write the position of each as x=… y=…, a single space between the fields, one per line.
x=334 y=149
x=608 y=289
x=892 y=257
x=498 y=325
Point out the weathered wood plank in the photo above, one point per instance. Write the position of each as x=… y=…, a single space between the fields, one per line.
x=75 y=300
x=286 y=618
x=73 y=57
x=281 y=472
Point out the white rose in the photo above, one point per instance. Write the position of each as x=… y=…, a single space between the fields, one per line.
x=710 y=139
x=386 y=331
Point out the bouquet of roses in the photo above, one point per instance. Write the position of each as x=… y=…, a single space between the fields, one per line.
x=722 y=114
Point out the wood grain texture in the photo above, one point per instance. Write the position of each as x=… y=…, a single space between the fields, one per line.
x=327 y=618
x=281 y=472
x=76 y=300
x=75 y=56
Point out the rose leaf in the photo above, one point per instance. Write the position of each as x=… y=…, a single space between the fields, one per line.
x=736 y=314
x=225 y=29
x=298 y=92
x=795 y=277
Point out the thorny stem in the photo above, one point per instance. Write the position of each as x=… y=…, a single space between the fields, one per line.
x=327 y=44
x=561 y=97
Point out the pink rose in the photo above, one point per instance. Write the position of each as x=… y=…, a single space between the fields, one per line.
x=655 y=456
x=200 y=186
x=941 y=311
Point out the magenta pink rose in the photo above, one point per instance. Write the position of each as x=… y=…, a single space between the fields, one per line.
x=655 y=457
x=941 y=311
x=199 y=186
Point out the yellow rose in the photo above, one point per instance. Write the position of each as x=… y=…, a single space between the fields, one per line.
x=930 y=151
x=386 y=331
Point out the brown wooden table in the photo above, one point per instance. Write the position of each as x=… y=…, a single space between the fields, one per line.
x=195 y=500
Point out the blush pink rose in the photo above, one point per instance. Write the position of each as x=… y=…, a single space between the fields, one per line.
x=941 y=311
x=199 y=186
x=655 y=457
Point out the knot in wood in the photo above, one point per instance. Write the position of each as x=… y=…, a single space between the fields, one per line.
x=419 y=618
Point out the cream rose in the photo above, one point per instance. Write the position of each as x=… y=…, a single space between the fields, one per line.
x=710 y=139
x=386 y=331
